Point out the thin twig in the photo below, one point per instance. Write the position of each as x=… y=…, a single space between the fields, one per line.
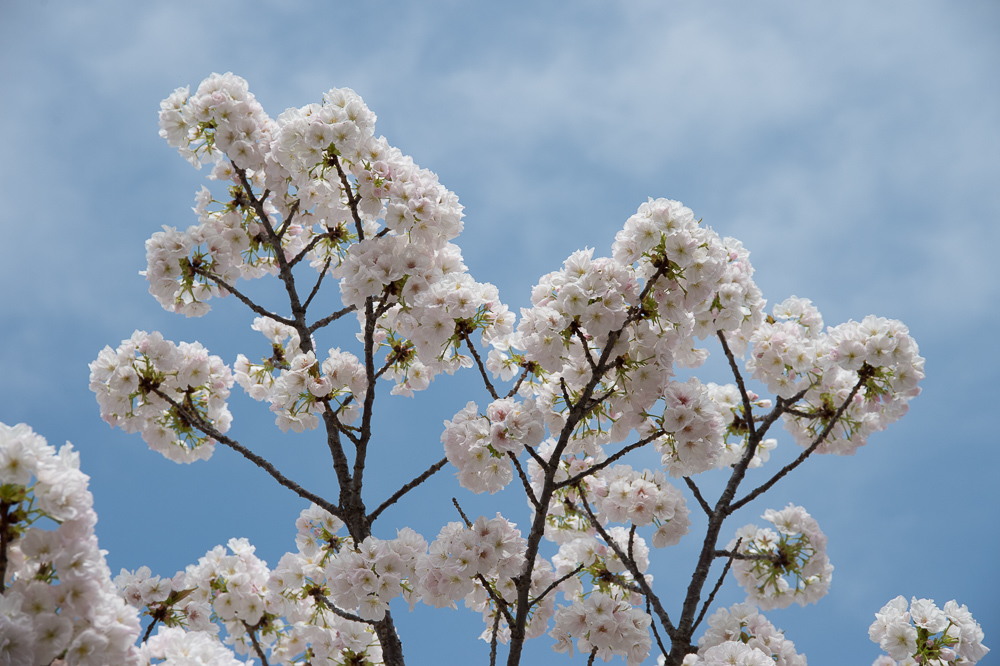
x=518 y=383
x=630 y=564
x=313 y=242
x=524 y=481
x=197 y=421
x=316 y=594
x=243 y=298
x=5 y=535
x=253 y=639
x=747 y=406
x=465 y=518
x=555 y=584
x=805 y=454
x=352 y=199
x=610 y=460
x=736 y=555
x=697 y=495
x=482 y=368
x=319 y=281
x=652 y=624
x=407 y=488
x=718 y=585
x=586 y=347
x=325 y=321
x=544 y=464
x=565 y=393
x=149 y=630
x=493 y=639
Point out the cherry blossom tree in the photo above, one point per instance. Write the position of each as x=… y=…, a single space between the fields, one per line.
x=581 y=379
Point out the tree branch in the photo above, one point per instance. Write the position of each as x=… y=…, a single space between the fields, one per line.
x=319 y=281
x=253 y=639
x=517 y=384
x=555 y=584
x=243 y=298
x=524 y=481
x=747 y=406
x=757 y=492
x=433 y=469
x=206 y=428
x=630 y=564
x=715 y=590
x=611 y=460
x=697 y=495
x=325 y=321
x=482 y=369
x=319 y=596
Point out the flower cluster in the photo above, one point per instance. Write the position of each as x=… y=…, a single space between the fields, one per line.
x=176 y=647
x=603 y=623
x=888 y=372
x=793 y=356
x=622 y=494
x=164 y=391
x=742 y=625
x=936 y=637
x=374 y=573
x=479 y=445
x=695 y=429
x=729 y=403
x=58 y=601
x=296 y=386
x=777 y=568
x=492 y=548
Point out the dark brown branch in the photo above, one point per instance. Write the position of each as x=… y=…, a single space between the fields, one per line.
x=325 y=321
x=697 y=495
x=498 y=600
x=586 y=347
x=736 y=555
x=149 y=630
x=572 y=481
x=319 y=596
x=313 y=242
x=253 y=639
x=715 y=590
x=319 y=281
x=544 y=464
x=565 y=394
x=352 y=199
x=465 y=518
x=537 y=600
x=433 y=469
x=368 y=407
x=747 y=406
x=524 y=481
x=482 y=368
x=631 y=565
x=337 y=423
x=284 y=271
x=517 y=384
x=206 y=428
x=652 y=625
x=243 y=298
x=4 y=542
x=493 y=639
x=757 y=492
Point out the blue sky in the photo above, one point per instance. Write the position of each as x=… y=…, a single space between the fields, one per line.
x=851 y=146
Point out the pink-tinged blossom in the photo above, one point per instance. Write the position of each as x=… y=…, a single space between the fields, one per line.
x=790 y=565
